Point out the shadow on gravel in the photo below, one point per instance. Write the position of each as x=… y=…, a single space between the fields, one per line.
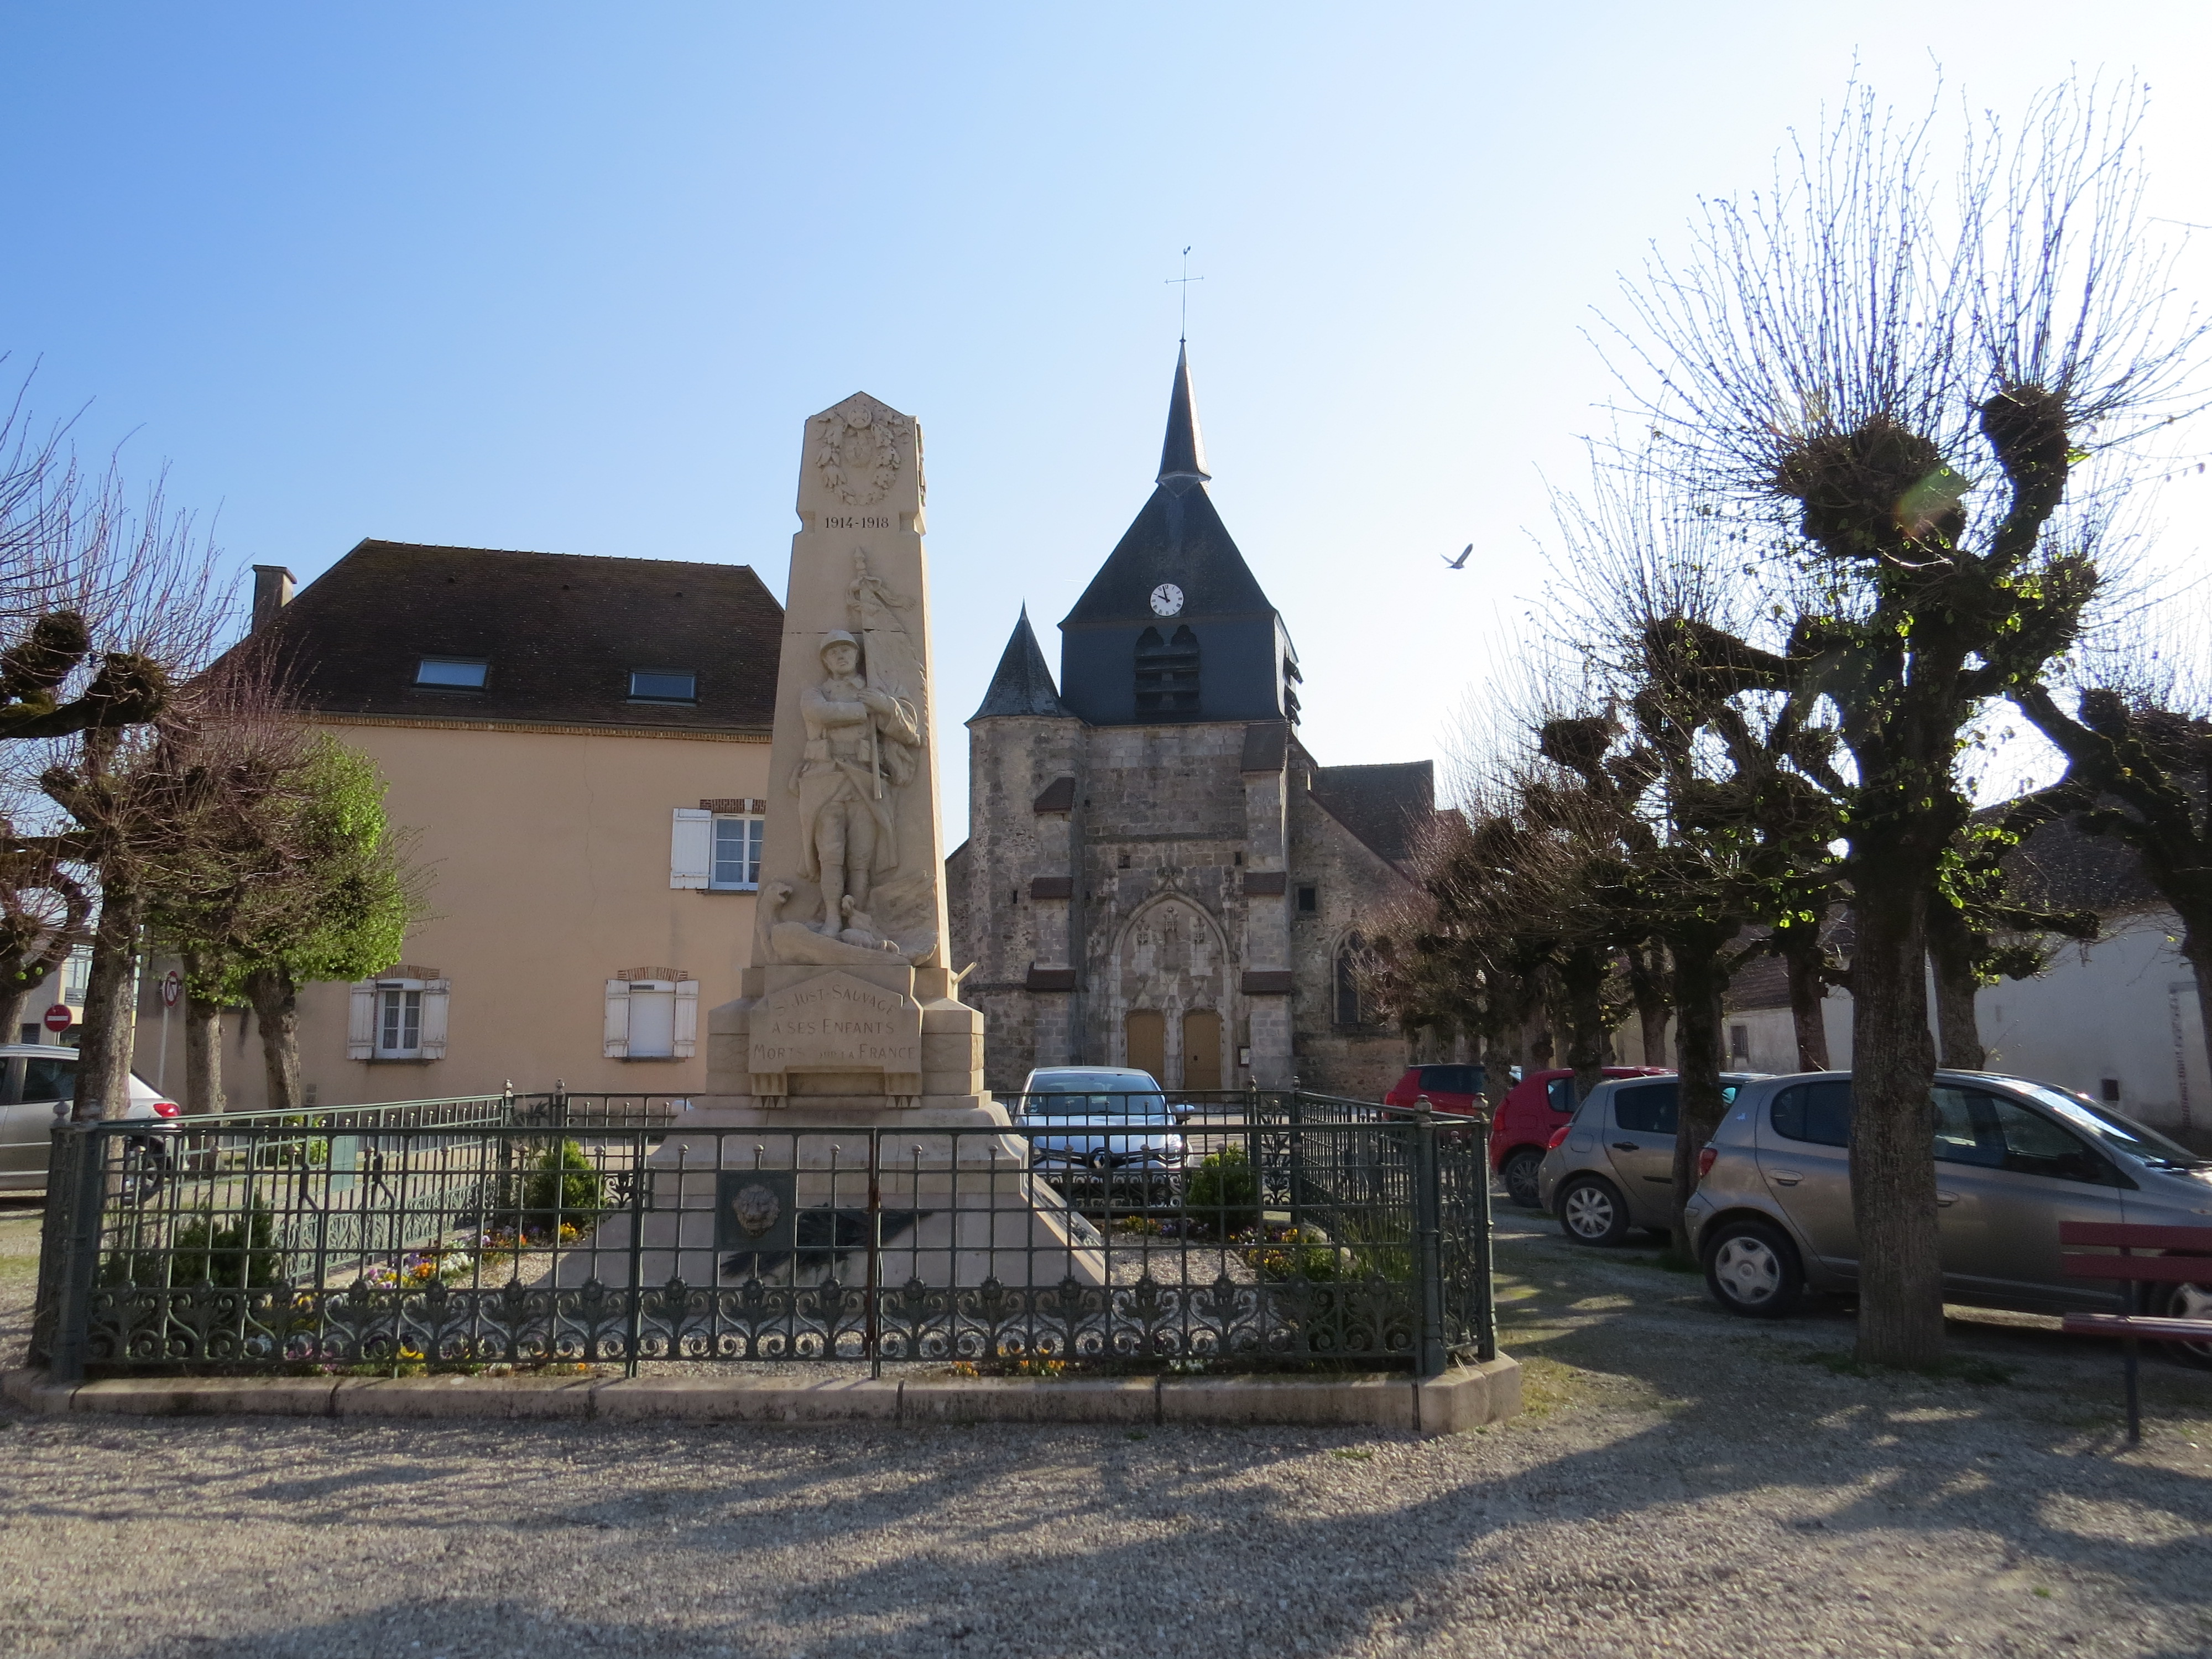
x=949 y=1540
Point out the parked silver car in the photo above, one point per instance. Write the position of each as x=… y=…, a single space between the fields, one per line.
x=1101 y=1124
x=1614 y=1171
x=38 y=1083
x=2014 y=1159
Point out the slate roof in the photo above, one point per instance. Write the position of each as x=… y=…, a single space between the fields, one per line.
x=1183 y=454
x=1177 y=536
x=1383 y=805
x=1022 y=685
x=561 y=631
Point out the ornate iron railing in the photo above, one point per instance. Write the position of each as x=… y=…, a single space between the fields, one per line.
x=1266 y=1228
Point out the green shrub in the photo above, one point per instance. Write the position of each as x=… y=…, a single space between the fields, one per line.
x=1223 y=1192
x=1297 y=1253
x=240 y=1254
x=563 y=1180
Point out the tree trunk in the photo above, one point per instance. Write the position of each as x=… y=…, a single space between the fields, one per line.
x=1808 y=990
x=1647 y=983
x=1951 y=951
x=202 y=1046
x=2196 y=952
x=276 y=1012
x=1582 y=977
x=12 y=1005
x=1698 y=985
x=111 y=1010
x=1893 y=1132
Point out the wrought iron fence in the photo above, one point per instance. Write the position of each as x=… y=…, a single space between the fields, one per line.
x=1247 y=1231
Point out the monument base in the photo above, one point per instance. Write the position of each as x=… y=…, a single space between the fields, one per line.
x=792 y=1176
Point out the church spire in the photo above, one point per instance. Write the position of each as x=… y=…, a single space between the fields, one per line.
x=1182 y=457
x=1023 y=684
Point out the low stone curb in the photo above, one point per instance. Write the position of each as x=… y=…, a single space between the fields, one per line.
x=1460 y=1399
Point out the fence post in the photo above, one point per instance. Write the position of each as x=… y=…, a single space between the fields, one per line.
x=636 y=1252
x=80 y=1247
x=874 y=1334
x=1427 y=1251
x=1486 y=1336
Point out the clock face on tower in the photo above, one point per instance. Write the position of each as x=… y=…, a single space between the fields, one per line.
x=1167 y=600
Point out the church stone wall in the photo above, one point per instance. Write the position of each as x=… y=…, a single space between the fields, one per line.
x=1351 y=884
x=1160 y=831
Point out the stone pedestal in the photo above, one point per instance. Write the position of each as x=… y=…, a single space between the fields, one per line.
x=846 y=1043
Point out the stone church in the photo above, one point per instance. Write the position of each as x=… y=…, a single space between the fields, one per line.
x=1158 y=874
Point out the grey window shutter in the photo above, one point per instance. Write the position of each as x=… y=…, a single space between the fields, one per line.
x=361 y=1020
x=436 y=994
x=691 y=848
x=687 y=1019
x=617 y=1032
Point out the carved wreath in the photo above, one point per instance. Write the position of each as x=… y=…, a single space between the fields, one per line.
x=859 y=454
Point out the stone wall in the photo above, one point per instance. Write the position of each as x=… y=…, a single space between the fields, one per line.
x=1351 y=884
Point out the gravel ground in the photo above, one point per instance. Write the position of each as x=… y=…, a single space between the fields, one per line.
x=1683 y=1482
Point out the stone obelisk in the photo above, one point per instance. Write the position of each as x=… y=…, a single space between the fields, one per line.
x=850 y=1009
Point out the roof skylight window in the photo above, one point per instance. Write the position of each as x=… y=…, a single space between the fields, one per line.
x=663 y=685
x=451 y=673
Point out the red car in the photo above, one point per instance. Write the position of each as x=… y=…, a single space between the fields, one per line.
x=1537 y=1107
x=1449 y=1088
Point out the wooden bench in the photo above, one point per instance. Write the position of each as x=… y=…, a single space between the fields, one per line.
x=2189 y=1268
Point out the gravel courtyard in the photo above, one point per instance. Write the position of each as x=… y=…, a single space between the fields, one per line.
x=1683 y=1483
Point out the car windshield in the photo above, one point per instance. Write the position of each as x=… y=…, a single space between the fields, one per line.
x=2110 y=1126
x=1095 y=1094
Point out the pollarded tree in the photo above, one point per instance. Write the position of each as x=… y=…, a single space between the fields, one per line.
x=309 y=882
x=1917 y=393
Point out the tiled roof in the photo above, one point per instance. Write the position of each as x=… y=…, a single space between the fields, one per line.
x=1383 y=805
x=561 y=634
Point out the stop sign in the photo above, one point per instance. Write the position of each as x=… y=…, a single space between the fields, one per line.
x=59 y=1018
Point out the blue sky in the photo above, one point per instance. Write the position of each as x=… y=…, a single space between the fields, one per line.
x=570 y=277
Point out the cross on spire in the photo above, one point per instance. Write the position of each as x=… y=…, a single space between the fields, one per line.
x=1183 y=282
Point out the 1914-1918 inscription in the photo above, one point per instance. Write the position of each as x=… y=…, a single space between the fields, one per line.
x=858 y=522
x=833 y=1022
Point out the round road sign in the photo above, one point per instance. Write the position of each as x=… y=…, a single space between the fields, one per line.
x=59 y=1018
x=172 y=987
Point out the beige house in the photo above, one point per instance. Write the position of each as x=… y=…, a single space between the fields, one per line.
x=582 y=745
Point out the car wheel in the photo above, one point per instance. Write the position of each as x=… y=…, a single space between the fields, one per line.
x=1753 y=1270
x=2187 y=1302
x=1592 y=1212
x=145 y=1167
x=1520 y=1174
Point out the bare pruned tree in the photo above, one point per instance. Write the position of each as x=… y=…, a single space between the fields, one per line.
x=1918 y=403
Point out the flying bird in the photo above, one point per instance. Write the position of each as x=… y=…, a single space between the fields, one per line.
x=1459 y=561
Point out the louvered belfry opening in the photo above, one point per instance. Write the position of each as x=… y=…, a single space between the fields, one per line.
x=1167 y=675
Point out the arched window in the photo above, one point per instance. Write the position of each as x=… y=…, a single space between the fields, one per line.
x=1351 y=993
x=1167 y=674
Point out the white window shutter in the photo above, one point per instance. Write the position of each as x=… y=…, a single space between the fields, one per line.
x=617 y=1045
x=436 y=994
x=691 y=848
x=687 y=1019
x=361 y=1020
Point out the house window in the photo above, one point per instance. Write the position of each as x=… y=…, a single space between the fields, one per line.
x=402 y=1018
x=1351 y=1006
x=1167 y=674
x=663 y=685
x=1309 y=901
x=399 y=1023
x=451 y=673
x=737 y=852
x=76 y=975
x=652 y=1013
x=1740 y=1044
